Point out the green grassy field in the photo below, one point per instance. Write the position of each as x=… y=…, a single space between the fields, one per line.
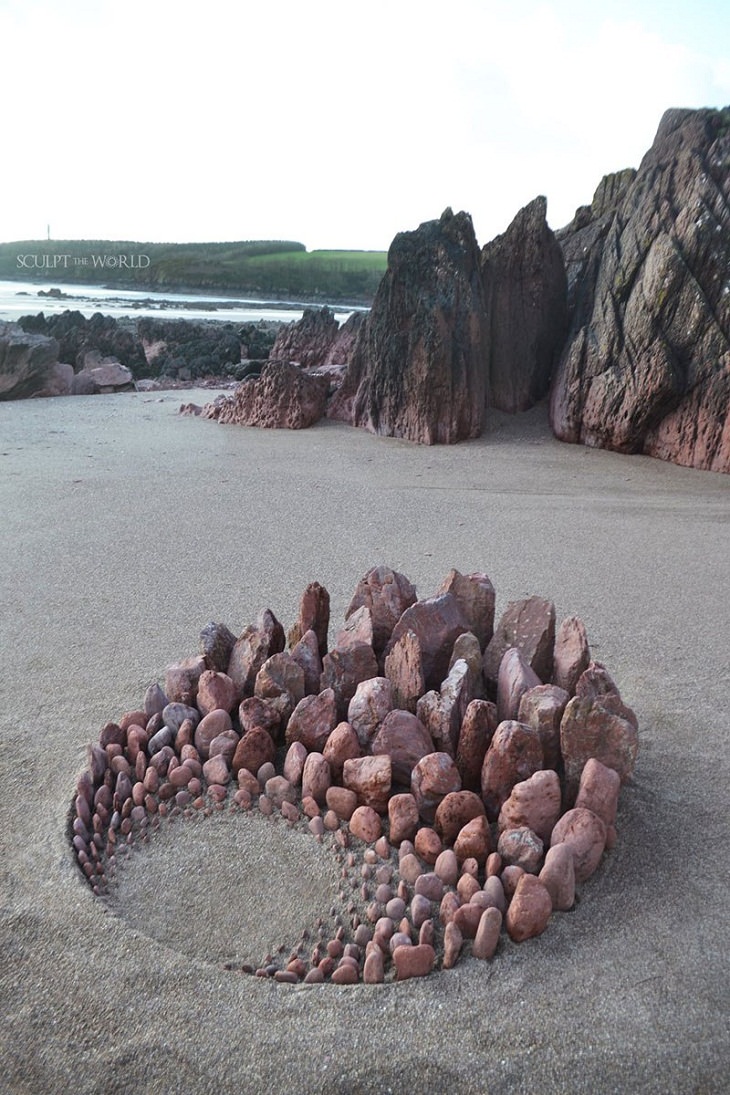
x=278 y=269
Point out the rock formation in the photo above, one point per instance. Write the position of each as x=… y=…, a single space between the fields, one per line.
x=418 y=369
x=283 y=397
x=308 y=341
x=27 y=361
x=525 y=287
x=647 y=366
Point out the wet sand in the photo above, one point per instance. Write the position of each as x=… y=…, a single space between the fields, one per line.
x=125 y=529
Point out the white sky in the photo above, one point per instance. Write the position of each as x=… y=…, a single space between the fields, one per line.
x=334 y=123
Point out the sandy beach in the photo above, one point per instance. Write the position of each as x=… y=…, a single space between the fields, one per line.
x=124 y=530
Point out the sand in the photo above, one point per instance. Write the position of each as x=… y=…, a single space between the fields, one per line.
x=125 y=529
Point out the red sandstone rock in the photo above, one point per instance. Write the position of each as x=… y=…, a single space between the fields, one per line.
x=598 y=791
x=344 y=670
x=585 y=833
x=529 y=910
x=374 y=969
x=281 y=678
x=358 y=629
x=493 y=891
x=474 y=841
x=316 y=778
x=453 y=942
x=254 y=749
x=447 y=867
x=314 y=615
x=294 y=762
x=521 y=848
x=558 y=876
x=366 y=710
x=572 y=653
x=442 y=712
x=279 y=790
x=341 y=745
x=215 y=690
x=487 y=936
x=542 y=708
x=370 y=779
x=224 y=745
x=431 y=780
x=404 y=669
x=403 y=818
x=181 y=680
x=455 y=811
x=365 y=824
x=477 y=729
x=449 y=904
x=589 y=730
x=475 y=596
x=265 y=714
x=534 y=803
x=514 y=679
x=387 y=594
x=256 y=644
x=413 y=961
x=283 y=397
x=467 y=918
x=306 y=654
x=341 y=801
x=216 y=771
x=437 y=623
x=514 y=754
x=313 y=720
x=410 y=868
x=428 y=845
x=510 y=876
x=209 y=727
x=405 y=740
x=529 y=625
x=596 y=683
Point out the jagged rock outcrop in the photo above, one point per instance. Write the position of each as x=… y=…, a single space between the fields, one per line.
x=649 y=369
x=526 y=293
x=27 y=361
x=343 y=346
x=418 y=368
x=307 y=341
x=77 y=335
x=283 y=397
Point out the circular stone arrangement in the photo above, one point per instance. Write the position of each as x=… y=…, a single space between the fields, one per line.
x=463 y=775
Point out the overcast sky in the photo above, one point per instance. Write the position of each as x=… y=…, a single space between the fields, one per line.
x=334 y=123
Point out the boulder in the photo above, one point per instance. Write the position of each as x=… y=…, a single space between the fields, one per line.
x=542 y=708
x=525 y=287
x=404 y=670
x=405 y=740
x=387 y=594
x=477 y=728
x=314 y=615
x=419 y=366
x=26 y=361
x=344 y=669
x=437 y=623
x=368 y=708
x=514 y=754
x=475 y=596
x=589 y=730
x=308 y=341
x=533 y=803
x=529 y=625
x=647 y=366
x=256 y=644
x=102 y=376
x=431 y=780
x=282 y=397
x=571 y=655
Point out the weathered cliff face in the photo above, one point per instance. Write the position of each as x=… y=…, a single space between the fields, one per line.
x=27 y=362
x=526 y=293
x=648 y=370
x=418 y=367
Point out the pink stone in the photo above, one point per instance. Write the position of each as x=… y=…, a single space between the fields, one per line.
x=449 y=904
x=341 y=745
x=294 y=760
x=225 y=745
x=453 y=942
x=477 y=729
x=428 y=845
x=341 y=801
x=533 y=803
x=585 y=833
x=306 y=654
x=572 y=654
x=558 y=876
x=254 y=749
x=263 y=714
x=216 y=771
x=494 y=864
x=345 y=974
x=316 y=778
x=588 y=730
x=596 y=683
x=405 y=740
x=403 y=818
x=370 y=779
x=474 y=841
x=387 y=594
x=598 y=790
x=279 y=790
x=466 y=887
x=209 y=727
x=510 y=876
x=215 y=691
x=290 y=812
x=281 y=678
x=247 y=781
x=413 y=961
x=493 y=890
x=447 y=867
x=522 y=848
x=410 y=868
x=542 y=708
x=487 y=936
x=529 y=910
x=437 y=622
x=514 y=754
x=514 y=679
x=475 y=595
x=366 y=710
x=467 y=918
x=343 y=670
x=430 y=886
x=455 y=811
x=358 y=629
x=181 y=680
x=365 y=824
x=314 y=615
x=404 y=670
x=431 y=780
x=529 y=625
x=420 y=910
x=374 y=969
x=256 y=644
x=313 y=720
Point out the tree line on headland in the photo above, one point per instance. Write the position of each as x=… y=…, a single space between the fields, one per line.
x=276 y=269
